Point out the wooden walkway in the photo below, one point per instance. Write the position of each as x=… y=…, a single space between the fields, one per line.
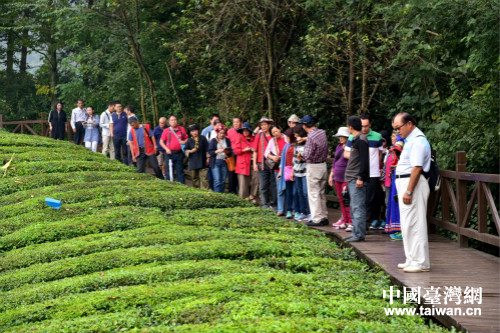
x=451 y=266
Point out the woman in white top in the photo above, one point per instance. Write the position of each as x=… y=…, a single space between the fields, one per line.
x=91 y=125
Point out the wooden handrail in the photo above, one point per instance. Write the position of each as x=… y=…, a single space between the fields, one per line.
x=23 y=125
x=456 y=201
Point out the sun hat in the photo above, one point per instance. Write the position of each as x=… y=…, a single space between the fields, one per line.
x=265 y=120
x=293 y=118
x=343 y=131
x=247 y=126
x=193 y=127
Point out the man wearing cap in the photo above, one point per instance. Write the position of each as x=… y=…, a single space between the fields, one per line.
x=142 y=147
x=233 y=136
x=157 y=132
x=413 y=192
x=267 y=180
x=315 y=154
x=172 y=140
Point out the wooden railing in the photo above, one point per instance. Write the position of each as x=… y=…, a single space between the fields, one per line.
x=26 y=126
x=455 y=198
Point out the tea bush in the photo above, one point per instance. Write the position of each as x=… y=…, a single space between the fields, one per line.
x=128 y=252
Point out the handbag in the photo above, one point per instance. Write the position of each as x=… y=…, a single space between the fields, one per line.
x=230 y=160
x=288 y=173
x=271 y=164
x=231 y=163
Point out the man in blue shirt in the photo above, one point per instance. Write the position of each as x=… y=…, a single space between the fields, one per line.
x=207 y=132
x=119 y=133
x=157 y=132
x=210 y=127
x=413 y=192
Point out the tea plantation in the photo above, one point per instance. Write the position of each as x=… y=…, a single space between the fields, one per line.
x=128 y=252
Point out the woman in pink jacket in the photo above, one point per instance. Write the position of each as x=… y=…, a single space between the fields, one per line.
x=248 y=179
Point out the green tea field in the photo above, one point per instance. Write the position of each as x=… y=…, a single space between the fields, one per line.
x=129 y=253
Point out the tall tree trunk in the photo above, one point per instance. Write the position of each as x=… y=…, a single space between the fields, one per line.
x=144 y=110
x=364 y=88
x=184 y=116
x=9 y=70
x=24 y=48
x=352 y=77
x=136 y=51
x=52 y=53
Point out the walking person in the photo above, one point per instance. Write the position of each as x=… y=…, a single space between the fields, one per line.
x=315 y=154
x=219 y=149
x=118 y=131
x=337 y=178
x=143 y=147
x=413 y=193
x=267 y=179
x=91 y=125
x=78 y=116
x=58 y=122
x=157 y=132
x=302 y=212
x=172 y=140
x=248 y=179
x=273 y=152
x=197 y=152
x=106 y=121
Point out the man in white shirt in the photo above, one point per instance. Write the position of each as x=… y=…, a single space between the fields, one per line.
x=106 y=121
x=78 y=117
x=413 y=192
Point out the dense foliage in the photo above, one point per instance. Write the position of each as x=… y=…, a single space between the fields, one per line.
x=128 y=252
x=437 y=59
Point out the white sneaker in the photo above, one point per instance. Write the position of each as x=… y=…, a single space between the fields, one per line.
x=402 y=266
x=415 y=269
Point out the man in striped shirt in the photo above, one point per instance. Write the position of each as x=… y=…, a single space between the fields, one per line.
x=315 y=154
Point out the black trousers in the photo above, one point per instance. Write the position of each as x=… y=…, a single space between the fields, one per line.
x=374 y=199
x=153 y=163
x=120 y=142
x=79 y=134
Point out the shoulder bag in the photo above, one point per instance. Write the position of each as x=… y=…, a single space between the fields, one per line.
x=271 y=164
x=230 y=160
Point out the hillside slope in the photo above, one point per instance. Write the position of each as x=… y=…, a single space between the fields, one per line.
x=128 y=252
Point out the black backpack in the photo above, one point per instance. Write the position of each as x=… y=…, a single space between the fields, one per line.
x=433 y=175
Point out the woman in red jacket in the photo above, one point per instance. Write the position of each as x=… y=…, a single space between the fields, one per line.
x=248 y=179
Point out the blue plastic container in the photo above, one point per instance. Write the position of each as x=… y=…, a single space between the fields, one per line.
x=53 y=203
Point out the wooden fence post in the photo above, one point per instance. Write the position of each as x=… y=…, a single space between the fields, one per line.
x=461 y=166
x=44 y=126
x=2 y=119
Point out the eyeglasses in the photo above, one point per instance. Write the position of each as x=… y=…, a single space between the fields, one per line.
x=398 y=128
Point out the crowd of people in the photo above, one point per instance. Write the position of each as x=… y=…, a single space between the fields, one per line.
x=284 y=171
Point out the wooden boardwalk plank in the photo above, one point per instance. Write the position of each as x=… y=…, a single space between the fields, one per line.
x=450 y=266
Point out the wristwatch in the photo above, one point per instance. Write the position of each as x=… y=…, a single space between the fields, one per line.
x=409 y=193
